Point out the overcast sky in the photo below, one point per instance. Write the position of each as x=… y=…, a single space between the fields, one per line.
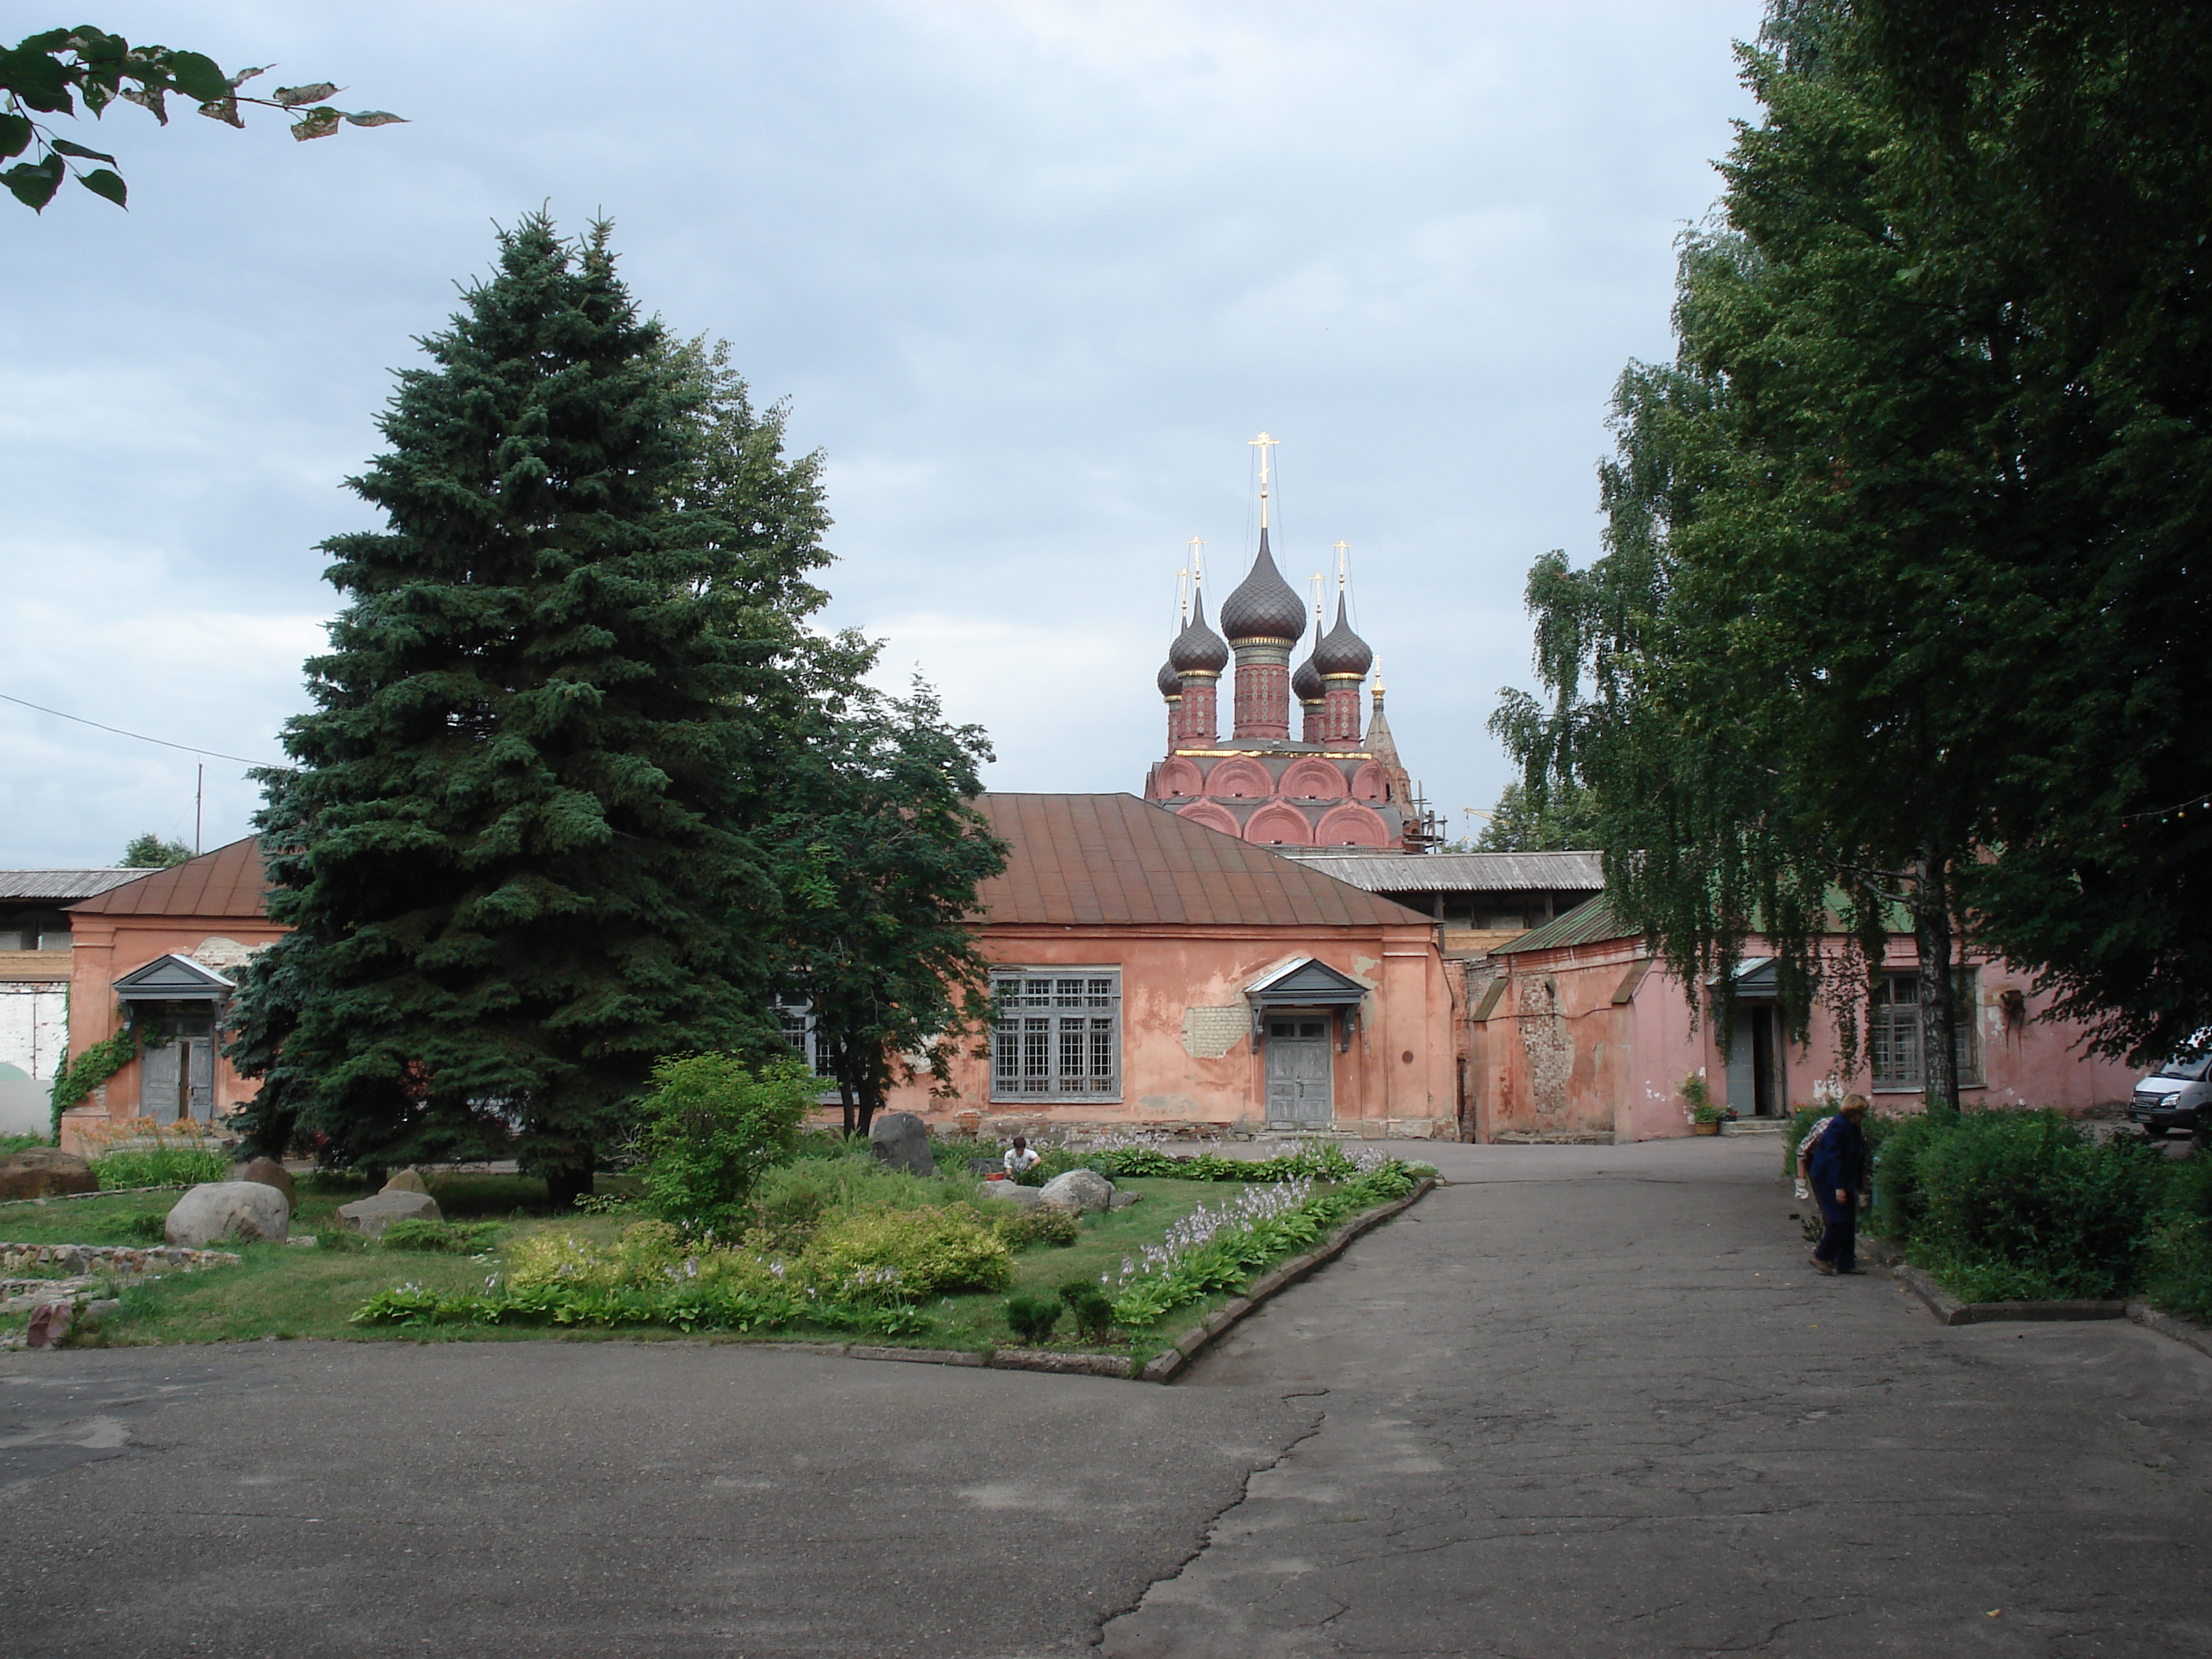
x=1031 y=275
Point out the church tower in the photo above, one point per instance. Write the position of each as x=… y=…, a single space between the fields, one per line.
x=1331 y=786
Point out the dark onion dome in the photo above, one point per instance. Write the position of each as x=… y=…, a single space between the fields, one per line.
x=1197 y=649
x=1305 y=683
x=1264 y=605
x=1341 y=650
x=1168 y=681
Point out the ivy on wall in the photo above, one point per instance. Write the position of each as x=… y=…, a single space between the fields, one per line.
x=89 y=1070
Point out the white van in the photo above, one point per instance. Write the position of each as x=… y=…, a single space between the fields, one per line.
x=2171 y=1098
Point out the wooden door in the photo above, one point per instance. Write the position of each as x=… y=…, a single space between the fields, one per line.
x=1299 y=1089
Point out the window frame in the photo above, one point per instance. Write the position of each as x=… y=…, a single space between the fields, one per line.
x=1041 y=1032
x=1885 y=1028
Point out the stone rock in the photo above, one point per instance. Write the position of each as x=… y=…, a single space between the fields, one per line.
x=1022 y=1198
x=41 y=1172
x=50 y=1323
x=1123 y=1200
x=407 y=1181
x=901 y=1140
x=1077 y=1190
x=229 y=1209
x=369 y=1217
x=269 y=1173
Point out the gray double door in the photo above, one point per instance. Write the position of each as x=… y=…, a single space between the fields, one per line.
x=1300 y=1091
x=177 y=1078
x=1756 y=1084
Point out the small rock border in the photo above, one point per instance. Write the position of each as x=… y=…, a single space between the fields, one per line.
x=114 y=1258
x=1950 y=1310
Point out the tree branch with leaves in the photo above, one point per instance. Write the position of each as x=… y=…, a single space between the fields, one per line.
x=86 y=70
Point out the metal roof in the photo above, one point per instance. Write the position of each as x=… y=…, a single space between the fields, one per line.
x=1461 y=872
x=61 y=886
x=227 y=882
x=1113 y=858
x=1590 y=922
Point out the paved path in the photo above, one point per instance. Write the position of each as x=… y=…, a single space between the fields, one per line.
x=1586 y=1403
x=1590 y=1401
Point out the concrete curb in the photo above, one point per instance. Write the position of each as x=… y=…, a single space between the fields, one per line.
x=1166 y=1367
x=1949 y=1311
x=2188 y=1333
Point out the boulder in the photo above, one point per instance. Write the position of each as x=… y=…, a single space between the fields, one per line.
x=269 y=1173
x=1022 y=1198
x=1077 y=1190
x=901 y=1140
x=369 y=1217
x=42 y=1171
x=1123 y=1200
x=229 y=1209
x=407 y=1181
x=50 y=1323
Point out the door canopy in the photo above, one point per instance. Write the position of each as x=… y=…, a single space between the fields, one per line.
x=1301 y=983
x=173 y=978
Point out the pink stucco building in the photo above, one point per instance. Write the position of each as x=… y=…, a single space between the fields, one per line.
x=169 y=944
x=1153 y=972
x=1581 y=1034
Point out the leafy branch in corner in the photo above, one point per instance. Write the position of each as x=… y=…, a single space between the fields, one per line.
x=85 y=69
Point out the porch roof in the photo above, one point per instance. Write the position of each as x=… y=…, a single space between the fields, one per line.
x=1591 y=923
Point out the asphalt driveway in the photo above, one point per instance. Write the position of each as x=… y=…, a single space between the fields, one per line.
x=1586 y=1402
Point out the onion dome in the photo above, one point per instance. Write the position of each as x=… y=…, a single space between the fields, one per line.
x=1168 y=681
x=1340 y=651
x=1305 y=683
x=1197 y=649
x=1264 y=605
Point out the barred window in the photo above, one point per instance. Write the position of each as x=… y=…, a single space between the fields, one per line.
x=1057 y=1036
x=1893 y=1031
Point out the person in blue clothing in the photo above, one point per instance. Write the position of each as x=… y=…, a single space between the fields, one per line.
x=1836 y=1170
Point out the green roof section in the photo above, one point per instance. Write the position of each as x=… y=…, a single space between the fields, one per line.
x=1590 y=922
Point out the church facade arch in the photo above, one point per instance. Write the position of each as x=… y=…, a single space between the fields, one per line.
x=1277 y=825
x=1313 y=780
x=1213 y=815
x=1178 y=778
x=1352 y=826
x=1238 y=778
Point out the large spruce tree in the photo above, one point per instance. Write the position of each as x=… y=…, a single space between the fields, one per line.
x=515 y=852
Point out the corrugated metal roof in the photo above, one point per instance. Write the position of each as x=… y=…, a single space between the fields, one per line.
x=60 y=886
x=1590 y=922
x=1113 y=858
x=1462 y=872
x=227 y=882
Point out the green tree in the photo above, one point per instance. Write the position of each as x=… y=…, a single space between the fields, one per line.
x=63 y=71
x=150 y=852
x=2060 y=154
x=514 y=853
x=877 y=858
x=1776 y=680
x=1564 y=820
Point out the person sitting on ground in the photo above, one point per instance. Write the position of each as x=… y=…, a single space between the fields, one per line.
x=1020 y=1157
x=1836 y=1168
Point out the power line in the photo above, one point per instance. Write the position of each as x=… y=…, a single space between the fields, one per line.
x=189 y=748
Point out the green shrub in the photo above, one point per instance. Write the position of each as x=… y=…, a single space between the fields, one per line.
x=712 y=1126
x=1897 y=1203
x=161 y=1166
x=13 y=1144
x=1032 y=1317
x=147 y=1229
x=1038 y=1226
x=2177 y=1274
x=927 y=1252
x=1090 y=1308
x=445 y=1238
x=2015 y=1204
x=791 y=1201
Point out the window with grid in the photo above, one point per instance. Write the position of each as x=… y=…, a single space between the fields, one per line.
x=1893 y=1031
x=1056 y=1036
x=795 y=1019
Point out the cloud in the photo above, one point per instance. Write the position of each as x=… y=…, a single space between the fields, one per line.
x=1030 y=274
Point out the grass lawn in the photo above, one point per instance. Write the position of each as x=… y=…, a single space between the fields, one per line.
x=290 y=1291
